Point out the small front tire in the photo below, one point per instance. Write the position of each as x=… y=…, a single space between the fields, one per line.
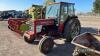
x=46 y=44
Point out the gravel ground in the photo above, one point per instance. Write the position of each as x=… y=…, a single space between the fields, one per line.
x=90 y=24
x=12 y=44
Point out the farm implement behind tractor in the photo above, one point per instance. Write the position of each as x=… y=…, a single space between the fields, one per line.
x=87 y=44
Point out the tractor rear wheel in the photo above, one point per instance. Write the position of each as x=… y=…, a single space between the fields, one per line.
x=46 y=44
x=71 y=29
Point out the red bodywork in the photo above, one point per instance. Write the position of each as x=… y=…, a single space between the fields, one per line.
x=31 y=34
x=43 y=22
x=61 y=27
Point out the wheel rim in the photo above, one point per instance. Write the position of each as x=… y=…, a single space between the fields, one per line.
x=48 y=45
x=75 y=30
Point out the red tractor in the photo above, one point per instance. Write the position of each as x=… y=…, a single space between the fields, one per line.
x=60 y=22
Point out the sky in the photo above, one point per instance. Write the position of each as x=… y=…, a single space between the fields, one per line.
x=80 y=5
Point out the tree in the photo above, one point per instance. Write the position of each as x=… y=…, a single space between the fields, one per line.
x=96 y=6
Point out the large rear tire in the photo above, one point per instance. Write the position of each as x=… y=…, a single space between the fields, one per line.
x=71 y=29
x=46 y=44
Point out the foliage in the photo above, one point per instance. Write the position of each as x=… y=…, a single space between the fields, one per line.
x=96 y=6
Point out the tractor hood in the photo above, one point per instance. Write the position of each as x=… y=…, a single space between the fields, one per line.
x=44 y=22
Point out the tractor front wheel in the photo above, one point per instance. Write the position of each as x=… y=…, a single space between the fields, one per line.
x=46 y=44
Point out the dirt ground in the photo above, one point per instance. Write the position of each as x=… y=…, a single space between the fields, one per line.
x=12 y=44
x=90 y=24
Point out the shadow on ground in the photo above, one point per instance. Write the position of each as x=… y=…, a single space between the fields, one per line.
x=88 y=29
x=62 y=50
